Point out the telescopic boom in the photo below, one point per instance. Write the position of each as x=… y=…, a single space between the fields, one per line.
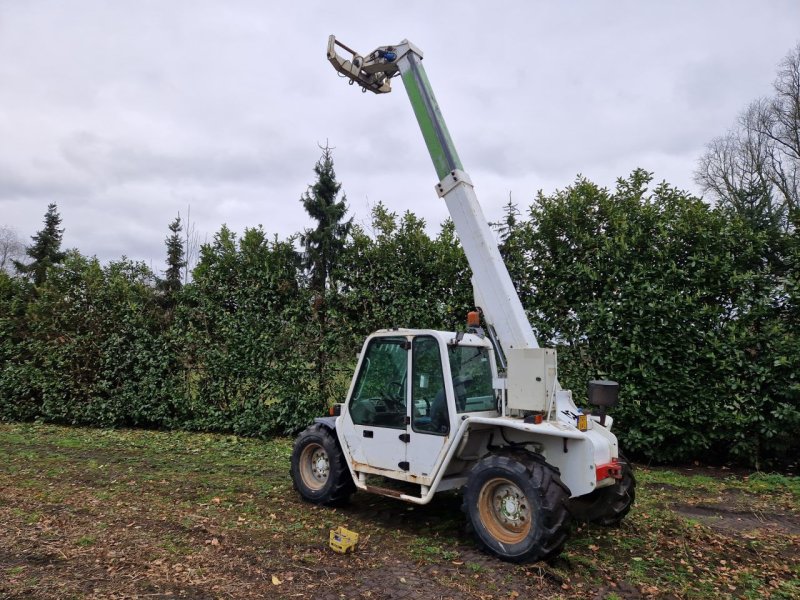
x=494 y=292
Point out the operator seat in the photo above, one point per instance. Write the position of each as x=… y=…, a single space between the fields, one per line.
x=440 y=423
x=440 y=418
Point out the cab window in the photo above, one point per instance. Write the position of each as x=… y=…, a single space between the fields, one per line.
x=472 y=378
x=379 y=397
x=429 y=399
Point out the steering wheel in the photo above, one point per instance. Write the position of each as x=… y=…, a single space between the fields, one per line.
x=392 y=400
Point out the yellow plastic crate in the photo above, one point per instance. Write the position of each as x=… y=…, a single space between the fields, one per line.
x=343 y=540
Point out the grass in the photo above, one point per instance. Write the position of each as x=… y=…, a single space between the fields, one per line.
x=120 y=513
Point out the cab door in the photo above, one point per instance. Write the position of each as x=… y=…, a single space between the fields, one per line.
x=378 y=407
x=430 y=412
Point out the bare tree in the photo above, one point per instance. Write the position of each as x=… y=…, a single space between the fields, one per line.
x=11 y=248
x=781 y=126
x=755 y=167
x=191 y=245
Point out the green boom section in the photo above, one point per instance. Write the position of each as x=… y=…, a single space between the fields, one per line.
x=434 y=130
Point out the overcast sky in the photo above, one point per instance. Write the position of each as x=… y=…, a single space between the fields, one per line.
x=125 y=113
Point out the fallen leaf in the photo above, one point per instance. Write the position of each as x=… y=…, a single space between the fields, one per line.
x=594 y=548
x=275 y=580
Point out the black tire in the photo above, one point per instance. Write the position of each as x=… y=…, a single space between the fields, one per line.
x=516 y=505
x=609 y=505
x=319 y=471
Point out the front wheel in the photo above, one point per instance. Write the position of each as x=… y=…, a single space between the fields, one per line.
x=517 y=507
x=609 y=505
x=319 y=471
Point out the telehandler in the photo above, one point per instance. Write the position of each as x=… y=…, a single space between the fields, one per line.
x=481 y=410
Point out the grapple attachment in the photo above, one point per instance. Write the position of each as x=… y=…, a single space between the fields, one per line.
x=371 y=72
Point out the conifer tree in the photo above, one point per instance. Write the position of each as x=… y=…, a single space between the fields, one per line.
x=46 y=248
x=511 y=231
x=323 y=247
x=175 y=259
x=324 y=244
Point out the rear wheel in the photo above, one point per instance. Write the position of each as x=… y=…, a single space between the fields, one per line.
x=609 y=505
x=516 y=505
x=319 y=470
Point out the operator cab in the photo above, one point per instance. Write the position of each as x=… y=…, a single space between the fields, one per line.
x=407 y=397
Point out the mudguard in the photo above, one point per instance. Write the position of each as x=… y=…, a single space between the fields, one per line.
x=329 y=422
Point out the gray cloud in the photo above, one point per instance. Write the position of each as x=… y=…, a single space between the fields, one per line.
x=125 y=113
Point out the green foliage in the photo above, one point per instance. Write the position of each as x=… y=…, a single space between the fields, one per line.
x=18 y=398
x=245 y=350
x=677 y=301
x=403 y=278
x=92 y=348
x=694 y=310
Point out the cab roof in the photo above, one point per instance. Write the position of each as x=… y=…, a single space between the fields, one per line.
x=468 y=339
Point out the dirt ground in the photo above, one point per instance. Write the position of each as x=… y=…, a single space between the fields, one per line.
x=134 y=514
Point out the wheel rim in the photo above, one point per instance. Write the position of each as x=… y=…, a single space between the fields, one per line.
x=504 y=510
x=315 y=466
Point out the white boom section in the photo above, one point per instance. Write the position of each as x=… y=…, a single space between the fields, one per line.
x=494 y=290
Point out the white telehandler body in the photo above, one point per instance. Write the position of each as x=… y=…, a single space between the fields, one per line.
x=482 y=411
